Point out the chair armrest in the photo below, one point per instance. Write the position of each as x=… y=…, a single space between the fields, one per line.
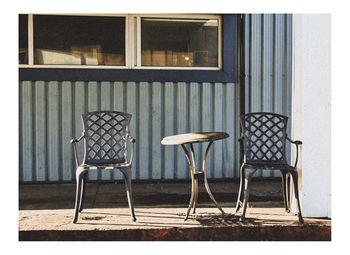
x=132 y=140
x=297 y=143
x=74 y=141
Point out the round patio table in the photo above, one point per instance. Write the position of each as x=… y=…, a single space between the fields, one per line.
x=190 y=138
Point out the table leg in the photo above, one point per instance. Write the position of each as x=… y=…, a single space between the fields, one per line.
x=195 y=196
x=194 y=179
x=193 y=190
x=206 y=181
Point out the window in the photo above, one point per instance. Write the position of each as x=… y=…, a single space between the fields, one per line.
x=151 y=47
x=179 y=42
x=79 y=40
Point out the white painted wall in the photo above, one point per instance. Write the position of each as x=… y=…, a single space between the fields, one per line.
x=311 y=110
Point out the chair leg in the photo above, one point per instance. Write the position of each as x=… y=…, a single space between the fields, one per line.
x=82 y=196
x=127 y=176
x=240 y=193
x=79 y=177
x=288 y=191
x=284 y=190
x=248 y=175
x=296 y=194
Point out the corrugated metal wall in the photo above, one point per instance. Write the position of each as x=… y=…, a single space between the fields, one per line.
x=50 y=117
x=268 y=66
x=50 y=112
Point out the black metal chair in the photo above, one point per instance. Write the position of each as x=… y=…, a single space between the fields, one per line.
x=264 y=143
x=106 y=135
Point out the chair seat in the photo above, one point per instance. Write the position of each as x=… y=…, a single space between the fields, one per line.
x=269 y=166
x=106 y=165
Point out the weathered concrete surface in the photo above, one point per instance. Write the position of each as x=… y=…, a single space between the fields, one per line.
x=46 y=213
x=168 y=224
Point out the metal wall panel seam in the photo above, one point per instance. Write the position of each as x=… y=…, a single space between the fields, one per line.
x=175 y=129
x=169 y=129
x=210 y=99
x=145 y=131
x=248 y=56
x=119 y=98
x=217 y=150
x=237 y=150
x=289 y=48
x=132 y=107
x=256 y=69
x=279 y=65
x=273 y=63
x=182 y=127
x=53 y=136
x=33 y=128
x=66 y=129
x=47 y=172
x=60 y=163
x=73 y=129
x=20 y=131
x=194 y=113
x=230 y=122
x=162 y=173
x=156 y=123
x=267 y=64
x=262 y=59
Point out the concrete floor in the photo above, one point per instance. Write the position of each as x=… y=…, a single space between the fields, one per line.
x=46 y=213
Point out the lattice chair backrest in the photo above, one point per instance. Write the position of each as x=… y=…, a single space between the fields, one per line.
x=264 y=137
x=105 y=134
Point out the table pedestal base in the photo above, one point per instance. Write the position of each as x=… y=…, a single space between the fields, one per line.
x=195 y=175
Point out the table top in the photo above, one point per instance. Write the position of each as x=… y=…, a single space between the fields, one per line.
x=198 y=137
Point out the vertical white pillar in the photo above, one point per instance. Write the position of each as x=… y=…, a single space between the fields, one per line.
x=311 y=110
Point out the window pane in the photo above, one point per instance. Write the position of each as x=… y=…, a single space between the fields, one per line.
x=79 y=40
x=179 y=42
x=23 y=39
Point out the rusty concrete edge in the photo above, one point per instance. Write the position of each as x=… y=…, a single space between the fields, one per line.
x=237 y=233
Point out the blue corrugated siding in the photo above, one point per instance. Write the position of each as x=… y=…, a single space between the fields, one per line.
x=268 y=66
x=158 y=109
x=50 y=112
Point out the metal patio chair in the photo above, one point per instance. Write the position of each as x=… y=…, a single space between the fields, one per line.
x=264 y=143
x=106 y=135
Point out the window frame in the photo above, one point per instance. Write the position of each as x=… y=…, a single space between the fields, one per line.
x=226 y=72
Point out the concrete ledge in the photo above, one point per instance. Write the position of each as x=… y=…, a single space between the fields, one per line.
x=46 y=213
x=237 y=233
x=167 y=224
